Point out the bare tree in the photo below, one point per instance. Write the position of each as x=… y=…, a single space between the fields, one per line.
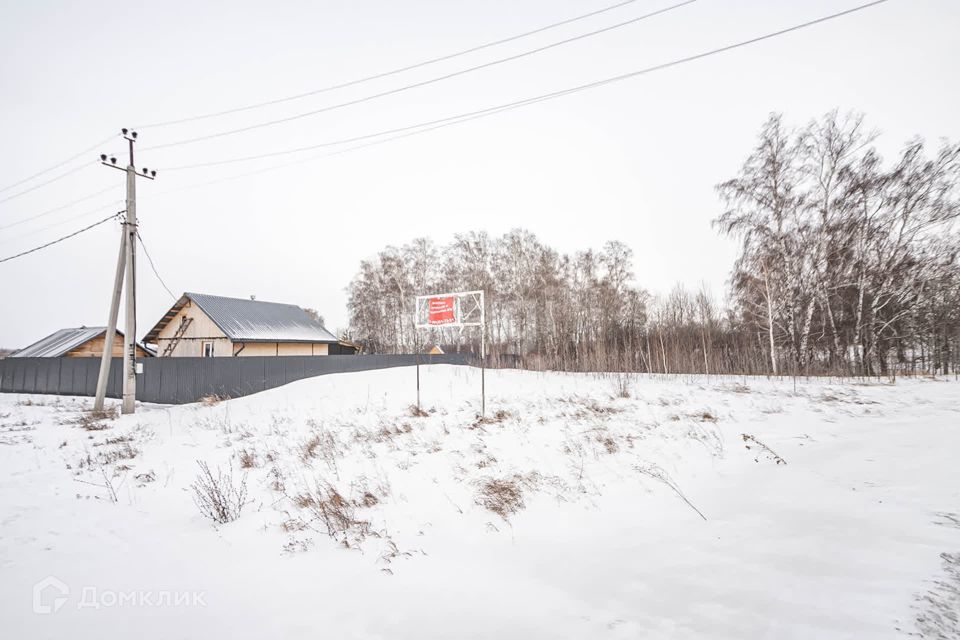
x=847 y=265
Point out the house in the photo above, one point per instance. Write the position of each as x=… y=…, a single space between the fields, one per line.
x=81 y=342
x=202 y=325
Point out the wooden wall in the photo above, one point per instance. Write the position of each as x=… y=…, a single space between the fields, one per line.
x=94 y=348
x=201 y=330
x=282 y=349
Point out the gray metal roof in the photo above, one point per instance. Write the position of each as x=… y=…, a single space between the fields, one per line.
x=245 y=320
x=60 y=342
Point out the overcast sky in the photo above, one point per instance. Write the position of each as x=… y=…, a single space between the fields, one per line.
x=635 y=161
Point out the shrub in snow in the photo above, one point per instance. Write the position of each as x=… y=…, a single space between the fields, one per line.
x=218 y=496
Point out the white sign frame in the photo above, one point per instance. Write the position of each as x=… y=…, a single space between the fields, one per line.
x=474 y=302
x=465 y=304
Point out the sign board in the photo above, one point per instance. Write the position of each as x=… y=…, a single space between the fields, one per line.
x=449 y=310
x=444 y=311
x=440 y=311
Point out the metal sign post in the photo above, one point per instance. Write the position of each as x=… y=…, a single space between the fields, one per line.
x=459 y=309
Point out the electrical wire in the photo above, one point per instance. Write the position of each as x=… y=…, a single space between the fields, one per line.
x=89 y=149
x=43 y=184
x=89 y=212
x=385 y=74
x=416 y=85
x=61 y=239
x=153 y=267
x=308 y=159
x=413 y=129
x=55 y=209
x=472 y=115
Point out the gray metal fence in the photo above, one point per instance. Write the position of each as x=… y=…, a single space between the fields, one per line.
x=183 y=380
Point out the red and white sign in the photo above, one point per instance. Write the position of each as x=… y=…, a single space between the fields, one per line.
x=440 y=310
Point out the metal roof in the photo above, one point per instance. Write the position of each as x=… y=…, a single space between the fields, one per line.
x=60 y=342
x=246 y=320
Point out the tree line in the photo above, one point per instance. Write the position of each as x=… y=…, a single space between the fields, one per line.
x=848 y=264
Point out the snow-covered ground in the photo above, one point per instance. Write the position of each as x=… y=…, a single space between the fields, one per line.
x=828 y=511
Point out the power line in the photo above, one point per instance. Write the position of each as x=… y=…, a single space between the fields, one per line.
x=89 y=212
x=385 y=74
x=89 y=149
x=55 y=209
x=153 y=267
x=423 y=83
x=458 y=119
x=431 y=125
x=43 y=184
x=75 y=233
x=412 y=129
x=283 y=165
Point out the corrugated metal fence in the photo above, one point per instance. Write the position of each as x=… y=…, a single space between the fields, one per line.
x=182 y=380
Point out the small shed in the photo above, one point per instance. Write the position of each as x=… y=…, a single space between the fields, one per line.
x=79 y=342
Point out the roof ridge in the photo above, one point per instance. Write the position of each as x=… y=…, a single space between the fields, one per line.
x=216 y=295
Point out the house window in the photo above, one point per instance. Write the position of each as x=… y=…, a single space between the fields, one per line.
x=207 y=349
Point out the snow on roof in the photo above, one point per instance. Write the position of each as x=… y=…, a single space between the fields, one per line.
x=61 y=342
x=245 y=320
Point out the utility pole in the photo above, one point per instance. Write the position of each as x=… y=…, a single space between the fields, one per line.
x=111 y=333
x=126 y=268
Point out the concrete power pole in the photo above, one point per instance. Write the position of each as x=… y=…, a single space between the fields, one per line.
x=126 y=267
x=111 y=333
x=130 y=296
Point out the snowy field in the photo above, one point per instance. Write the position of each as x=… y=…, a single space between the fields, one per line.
x=585 y=506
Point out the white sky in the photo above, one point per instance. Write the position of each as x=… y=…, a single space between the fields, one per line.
x=636 y=161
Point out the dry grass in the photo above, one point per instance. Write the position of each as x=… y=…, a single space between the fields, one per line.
x=939 y=606
x=504 y=496
x=498 y=416
x=417 y=412
x=309 y=449
x=292 y=525
x=655 y=472
x=322 y=445
x=600 y=435
x=486 y=461
x=762 y=450
x=276 y=480
x=144 y=478
x=593 y=408
x=30 y=402
x=95 y=420
x=108 y=454
x=213 y=400
x=337 y=514
x=19 y=425
x=248 y=459
x=830 y=396
x=369 y=500
x=609 y=444
x=114 y=441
